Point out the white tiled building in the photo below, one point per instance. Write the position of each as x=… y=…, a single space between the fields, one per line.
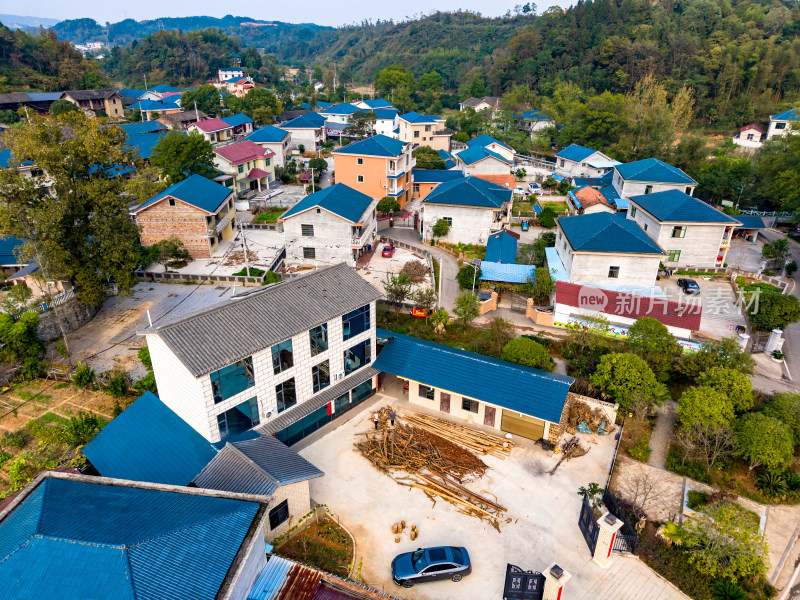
x=283 y=359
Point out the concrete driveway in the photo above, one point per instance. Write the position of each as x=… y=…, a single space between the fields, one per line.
x=720 y=313
x=544 y=510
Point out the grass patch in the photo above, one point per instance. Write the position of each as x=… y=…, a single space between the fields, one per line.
x=51 y=417
x=270 y=215
x=29 y=396
x=323 y=545
x=253 y=272
x=672 y=563
x=61 y=386
x=697 y=500
x=764 y=288
x=700 y=274
x=688 y=467
x=636 y=440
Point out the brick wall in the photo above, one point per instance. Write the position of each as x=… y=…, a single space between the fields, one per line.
x=161 y=221
x=299 y=499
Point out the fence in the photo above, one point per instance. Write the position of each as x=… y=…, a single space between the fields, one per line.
x=776 y=281
x=187 y=278
x=264 y=226
x=57 y=300
x=626 y=539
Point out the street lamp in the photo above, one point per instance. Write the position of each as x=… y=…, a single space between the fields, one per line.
x=475 y=264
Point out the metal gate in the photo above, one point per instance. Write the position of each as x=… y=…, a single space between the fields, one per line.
x=523 y=585
x=519 y=303
x=588 y=524
x=626 y=539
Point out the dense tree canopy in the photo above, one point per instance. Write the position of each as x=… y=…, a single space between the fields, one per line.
x=179 y=156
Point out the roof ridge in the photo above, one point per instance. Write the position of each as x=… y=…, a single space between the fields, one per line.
x=251 y=461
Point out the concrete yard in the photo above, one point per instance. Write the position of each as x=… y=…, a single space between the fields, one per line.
x=378 y=267
x=544 y=512
x=109 y=340
x=720 y=316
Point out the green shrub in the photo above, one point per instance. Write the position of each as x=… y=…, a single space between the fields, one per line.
x=144 y=356
x=792 y=481
x=117 y=385
x=271 y=277
x=146 y=384
x=640 y=450
x=723 y=589
x=15 y=439
x=689 y=468
x=32 y=368
x=84 y=376
x=253 y=272
x=696 y=499
x=81 y=429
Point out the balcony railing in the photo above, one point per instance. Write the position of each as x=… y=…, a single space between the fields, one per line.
x=219 y=225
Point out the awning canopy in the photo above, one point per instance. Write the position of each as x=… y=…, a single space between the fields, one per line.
x=257 y=174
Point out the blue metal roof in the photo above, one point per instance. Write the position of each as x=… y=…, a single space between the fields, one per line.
x=339 y=199
x=606 y=232
x=195 y=190
x=474 y=154
x=508 y=273
x=161 y=88
x=469 y=191
x=344 y=108
x=377 y=145
x=131 y=93
x=750 y=222
x=5 y=159
x=305 y=105
x=143 y=143
x=385 y=113
x=133 y=445
x=143 y=127
x=310 y=120
x=787 y=115
x=323 y=105
x=271 y=580
x=172 y=101
x=268 y=134
x=501 y=247
x=414 y=117
x=531 y=115
x=654 y=171
x=150 y=105
x=449 y=160
x=536 y=393
x=435 y=175
x=675 y=206
x=485 y=140
x=576 y=153
x=557 y=270
x=73 y=540
x=237 y=119
x=378 y=103
x=8 y=245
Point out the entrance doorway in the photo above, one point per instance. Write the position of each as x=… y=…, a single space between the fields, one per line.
x=488 y=416
x=444 y=402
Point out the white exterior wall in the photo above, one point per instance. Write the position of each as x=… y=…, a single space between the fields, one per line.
x=386 y=127
x=336 y=118
x=563 y=311
x=187 y=396
x=331 y=240
x=627 y=189
x=192 y=399
x=229 y=74
x=308 y=137
x=252 y=564
x=582 y=168
x=506 y=153
x=470 y=225
x=593 y=267
x=281 y=150
x=699 y=247
x=740 y=139
x=487 y=166
x=773 y=128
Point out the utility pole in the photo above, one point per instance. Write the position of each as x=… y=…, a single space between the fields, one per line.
x=439 y=295
x=313 y=189
x=196 y=114
x=145 y=82
x=244 y=244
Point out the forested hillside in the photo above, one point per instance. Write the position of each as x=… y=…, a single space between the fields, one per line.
x=43 y=62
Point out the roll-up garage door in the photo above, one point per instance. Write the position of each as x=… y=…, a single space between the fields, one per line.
x=523 y=426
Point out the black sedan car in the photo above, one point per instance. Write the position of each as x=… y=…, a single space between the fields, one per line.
x=431 y=564
x=689 y=286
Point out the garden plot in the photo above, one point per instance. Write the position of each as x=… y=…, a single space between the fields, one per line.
x=378 y=267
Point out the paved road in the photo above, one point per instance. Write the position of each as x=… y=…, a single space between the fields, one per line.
x=791 y=347
x=449 y=264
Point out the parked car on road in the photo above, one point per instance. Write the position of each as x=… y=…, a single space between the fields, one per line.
x=535 y=188
x=387 y=251
x=431 y=564
x=689 y=286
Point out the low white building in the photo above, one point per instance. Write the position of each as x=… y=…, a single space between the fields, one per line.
x=375 y=104
x=534 y=121
x=493 y=145
x=340 y=113
x=472 y=207
x=607 y=249
x=282 y=359
x=480 y=104
x=480 y=160
x=749 y=136
x=387 y=121
x=649 y=176
x=335 y=225
x=307 y=130
x=781 y=123
x=227 y=74
x=579 y=161
x=274 y=139
x=692 y=233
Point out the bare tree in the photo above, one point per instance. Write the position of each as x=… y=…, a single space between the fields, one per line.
x=706 y=443
x=641 y=486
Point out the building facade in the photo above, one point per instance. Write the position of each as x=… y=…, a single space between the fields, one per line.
x=579 y=161
x=424 y=130
x=248 y=167
x=782 y=123
x=649 y=176
x=307 y=130
x=282 y=349
x=106 y=101
x=274 y=139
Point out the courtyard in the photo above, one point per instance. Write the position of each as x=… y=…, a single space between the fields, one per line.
x=721 y=315
x=376 y=270
x=543 y=512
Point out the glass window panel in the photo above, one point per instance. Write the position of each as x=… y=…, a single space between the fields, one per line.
x=238 y=419
x=321 y=376
x=279 y=514
x=355 y=322
x=232 y=380
x=319 y=339
x=282 y=356
x=362 y=391
x=286 y=394
x=357 y=356
x=342 y=403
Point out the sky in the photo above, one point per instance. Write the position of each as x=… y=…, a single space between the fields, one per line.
x=315 y=11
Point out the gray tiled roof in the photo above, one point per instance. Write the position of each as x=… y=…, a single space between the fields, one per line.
x=219 y=336
x=257 y=466
x=296 y=413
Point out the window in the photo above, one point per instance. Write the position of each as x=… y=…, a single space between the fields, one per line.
x=645 y=226
x=319 y=339
x=241 y=168
x=648 y=189
x=470 y=405
x=357 y=356
x=307 y=230
x=427 y=127
x=363 y=391
x=172 y=201
x=286 y=394
x=321 y=376
x=780 y=125
x=310 y=253
x=360 y=179
x=305 y=426
x=416 y=188
x=679 y=231
x=359 y=161
x=673 y=255
x=233 y=379
x=688 y=191
x=282 y=356
x=613 y=272
x=416 y=134
x=279 y=514
x=355 y=322
x=562 y=163
x=448 y=220
x=750 y=136
x=633 y=211
x=426 y=392
x=238 y=419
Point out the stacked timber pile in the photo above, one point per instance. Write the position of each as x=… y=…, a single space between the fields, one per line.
x=580 y=412
x=433 y=464
x=477 y=441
